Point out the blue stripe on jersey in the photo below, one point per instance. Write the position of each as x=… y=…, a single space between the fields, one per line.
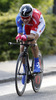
x=24 y=30
x=19 y=29
x=43 y=27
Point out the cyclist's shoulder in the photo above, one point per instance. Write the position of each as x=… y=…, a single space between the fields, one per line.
x=18 y=19
x=36 y=12
x=18 y=16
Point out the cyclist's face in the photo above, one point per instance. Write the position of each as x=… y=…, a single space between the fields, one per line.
x=26 y=20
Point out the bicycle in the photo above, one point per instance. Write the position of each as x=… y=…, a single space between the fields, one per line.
x=36 y=78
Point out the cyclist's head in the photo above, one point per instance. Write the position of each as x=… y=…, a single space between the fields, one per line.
x=26 y=12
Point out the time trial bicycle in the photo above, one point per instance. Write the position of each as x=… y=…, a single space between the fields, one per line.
x=35 y=78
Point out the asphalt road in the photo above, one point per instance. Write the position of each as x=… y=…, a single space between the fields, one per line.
x=46 y=92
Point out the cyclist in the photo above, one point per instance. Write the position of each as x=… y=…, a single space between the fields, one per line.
x=30 y=25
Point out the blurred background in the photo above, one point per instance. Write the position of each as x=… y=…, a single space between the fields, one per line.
x=8 y=30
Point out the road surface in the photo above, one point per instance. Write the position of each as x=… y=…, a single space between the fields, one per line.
x=46 y=92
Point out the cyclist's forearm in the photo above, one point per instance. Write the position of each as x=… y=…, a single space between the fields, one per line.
x=30 y=37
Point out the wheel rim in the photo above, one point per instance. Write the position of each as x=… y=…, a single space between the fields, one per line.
x=18 y=77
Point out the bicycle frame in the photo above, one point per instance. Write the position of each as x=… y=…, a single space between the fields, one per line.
x=25 y=54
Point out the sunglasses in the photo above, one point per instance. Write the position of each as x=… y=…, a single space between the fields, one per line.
x=25 y=17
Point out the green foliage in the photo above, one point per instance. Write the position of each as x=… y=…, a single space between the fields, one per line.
x=47 y=41
x=14 y=5
x=4 y=5
x=34 y=3
x=7 y=33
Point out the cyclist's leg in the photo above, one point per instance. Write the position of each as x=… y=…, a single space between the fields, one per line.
x=23 y=77
x=36 y=57
x=40 y=30
x=21 y=50
x=34 y=49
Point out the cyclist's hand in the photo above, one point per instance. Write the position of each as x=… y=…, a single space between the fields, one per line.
x=24 y=37
x=18 y=37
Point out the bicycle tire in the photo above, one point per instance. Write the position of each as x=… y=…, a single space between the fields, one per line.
x=37 y=80
x=17 y=81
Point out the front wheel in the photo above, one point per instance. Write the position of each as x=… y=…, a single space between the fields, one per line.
x=37 y=80
x=20 y=87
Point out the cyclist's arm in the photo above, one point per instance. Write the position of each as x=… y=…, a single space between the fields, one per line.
x=31 y=36
x=19 y=29
x=19 y=24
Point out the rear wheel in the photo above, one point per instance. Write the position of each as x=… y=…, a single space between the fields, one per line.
x=37 y=80
x=20 y=87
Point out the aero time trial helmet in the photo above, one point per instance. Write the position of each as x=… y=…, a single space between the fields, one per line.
x=26 y=11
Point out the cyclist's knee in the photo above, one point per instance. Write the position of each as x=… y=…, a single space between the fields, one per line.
x=34 y=42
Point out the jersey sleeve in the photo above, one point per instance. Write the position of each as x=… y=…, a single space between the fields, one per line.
x=19 y=24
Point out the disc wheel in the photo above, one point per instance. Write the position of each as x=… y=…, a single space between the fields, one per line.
x=37 y=80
